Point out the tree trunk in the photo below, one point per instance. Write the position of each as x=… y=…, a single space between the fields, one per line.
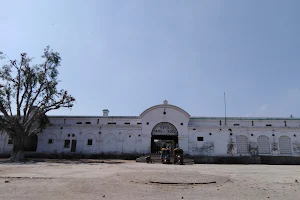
x=17 y=153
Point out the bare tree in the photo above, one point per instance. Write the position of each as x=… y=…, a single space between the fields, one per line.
x=27 y=93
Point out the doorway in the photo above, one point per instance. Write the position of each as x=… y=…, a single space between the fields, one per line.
x=73 y=146
x=163 y=134
x=162 y=141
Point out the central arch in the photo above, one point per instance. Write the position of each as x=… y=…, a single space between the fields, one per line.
x=163 y=134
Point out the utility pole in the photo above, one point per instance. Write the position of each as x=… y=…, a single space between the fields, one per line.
x=225 y=108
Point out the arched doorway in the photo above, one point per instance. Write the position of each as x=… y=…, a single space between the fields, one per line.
x=242 y=144
x=163 y=134
x=285 y=146
x=109 y=143
x=129 y=143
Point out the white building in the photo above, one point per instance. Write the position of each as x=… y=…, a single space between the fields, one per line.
x=210 y=136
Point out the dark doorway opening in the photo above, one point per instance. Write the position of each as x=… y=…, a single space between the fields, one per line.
x=31 y=143
x=73 y=146
x=160 y=141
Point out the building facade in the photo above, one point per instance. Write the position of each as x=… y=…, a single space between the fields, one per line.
x=199 y=136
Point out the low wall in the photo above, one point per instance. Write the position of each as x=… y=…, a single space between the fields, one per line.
x=74 y=156
x=227 y=160
x=268 y=160
x=280 y=160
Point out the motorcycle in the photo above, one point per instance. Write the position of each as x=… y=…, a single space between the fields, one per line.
x=148 y=159
x=179 y=159
x=165 y=156
x=166 y=159
x=178 y=156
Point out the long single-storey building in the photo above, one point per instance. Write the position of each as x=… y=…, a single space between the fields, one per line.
x=166 y=124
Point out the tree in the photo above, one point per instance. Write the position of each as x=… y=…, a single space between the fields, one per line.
x=27 y=93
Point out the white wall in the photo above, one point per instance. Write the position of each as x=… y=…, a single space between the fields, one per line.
x=107 y=139
x=136 y=138
x=174 y=115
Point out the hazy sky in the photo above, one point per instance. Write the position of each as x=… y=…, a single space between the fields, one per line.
x=129 y=55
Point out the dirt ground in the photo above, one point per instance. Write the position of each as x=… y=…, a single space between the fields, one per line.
x=119 y=179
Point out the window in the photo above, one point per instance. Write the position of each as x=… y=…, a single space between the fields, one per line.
x=111 y=123
x=50 y=141
x=138 y=123
x=263 y=144
x=87 y=122
x=268 y=124
x=10 y=141
x=79 y=123
x=127 y=123
x=64 y=121
x=90 y=142
x=97 y=121
x=285 y=145
x=67 y=144
x=242 y=144
x=284 y=123
x=252 y=123
x=236 y=124
x=220 y=122
x=199 y=138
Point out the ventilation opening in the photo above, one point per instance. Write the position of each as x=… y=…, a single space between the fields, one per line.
x=97 y=121
x=268 y=124
x=284 y=123
x=139 y=123
x=87 y=122
x=220 y=122
x=111 y=123
x=236 y=124
x=127 y=123
x=78 y=122
x=199 y=138
x=50 y=141
x=252 y=123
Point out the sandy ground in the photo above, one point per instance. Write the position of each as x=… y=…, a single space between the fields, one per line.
x=119 y=179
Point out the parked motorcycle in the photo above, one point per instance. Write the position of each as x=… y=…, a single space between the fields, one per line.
x=148 y=159
x=178 y=156
x=165 y=156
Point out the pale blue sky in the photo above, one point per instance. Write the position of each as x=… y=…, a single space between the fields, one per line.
x=129 y=55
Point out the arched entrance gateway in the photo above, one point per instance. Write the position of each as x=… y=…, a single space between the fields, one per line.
x=163 y=134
